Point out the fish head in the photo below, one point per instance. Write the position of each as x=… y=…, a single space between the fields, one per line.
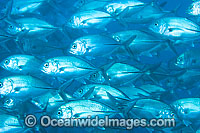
x=8 y=103
x=50 y=66
x=158 y=26
x=181 y=61
x=193 y=9
x=10 y=63
x=13 y=29
x=74 y=22
x=79 y=93
x=6 y=86
x=187 y=108
x=96 y=77
x=78 y=47
x=63 y=112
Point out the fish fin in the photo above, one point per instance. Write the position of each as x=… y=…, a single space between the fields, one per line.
x=88 y=94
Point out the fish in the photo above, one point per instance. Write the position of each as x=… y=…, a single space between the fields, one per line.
x=150 y=108
x=50 y=101
x=193 y=9
x=82 y=109
x=30 y=28
x=143 y=15
x=23 y=87
x=21 y=64
x=144 y=43
x=189 y=59
x=187 y=109
x=117 y=7
x=99 y=92
x=89 y=19
x=119 y=73
x=175 y=28
x=68 y=67
x=93 y=45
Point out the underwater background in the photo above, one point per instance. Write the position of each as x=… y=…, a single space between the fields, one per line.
x=33 y=51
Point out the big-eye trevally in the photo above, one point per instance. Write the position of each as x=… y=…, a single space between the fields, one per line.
x=22 y=64
x=30 y=27
x=189 y=59
x=175 y=28
x=67 y=67
x=89 y=19
x=99 y=92
x=188 y=109
x=82 y=109
x=143 y=44
x=116 y=7
x=23 y=87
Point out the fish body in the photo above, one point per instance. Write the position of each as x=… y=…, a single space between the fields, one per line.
x=67 y=67
x=93 y=45
x=22 y=64
x=175 y=28
x=188 y=108
x=194 y=8
x=30 y=27
x=23 y=87
x=82 y=109
x=89 y=19
x=116 y=7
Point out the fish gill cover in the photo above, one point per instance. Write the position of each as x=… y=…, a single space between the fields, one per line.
x=75 y=59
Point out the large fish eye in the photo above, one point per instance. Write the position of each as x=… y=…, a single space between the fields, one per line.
x=156 y=24
x=59 y=112
x=81 y=91
x=6 y=62
x=46 y=65
x=1 y=84
x=11 y=26
x=74 y=46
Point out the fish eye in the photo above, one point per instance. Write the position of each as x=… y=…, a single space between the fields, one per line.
x=11 y=26
x=1 y=84
x=7 y=62
x=74 y=46
x=46 y=65
x=81 y=91
x=82 y=1
x=94 y=75
x=59 y=112
x=156 y=24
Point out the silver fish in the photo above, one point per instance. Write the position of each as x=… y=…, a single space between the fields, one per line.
x=187 y=109
x=89 y=19
x=93 y=45
x=143 y=44
x=67 y=67
x=30 y=27
x=98 y=92
x=116 y=7
x=189 y=59
x=82 y=109
x=175 y=28
x=23 y=87
x=24 y=64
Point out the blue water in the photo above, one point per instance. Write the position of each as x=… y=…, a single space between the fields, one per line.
x=58 y=40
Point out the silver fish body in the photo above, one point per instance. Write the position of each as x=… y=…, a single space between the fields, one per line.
x=23 y=87
x=22 y=64
x=67 y=67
